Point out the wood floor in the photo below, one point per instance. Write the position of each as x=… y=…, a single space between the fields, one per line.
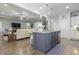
x=66 y=47
x=22 y=47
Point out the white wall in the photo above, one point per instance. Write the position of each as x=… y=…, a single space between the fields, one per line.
x=55 y=23
x=61 y=23
x=6 y=24
x=64 y=25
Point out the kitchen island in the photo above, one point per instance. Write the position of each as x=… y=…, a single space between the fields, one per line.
x=44 y=41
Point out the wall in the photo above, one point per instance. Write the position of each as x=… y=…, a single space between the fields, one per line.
x=6 y=24
x=75 y=20
x=64 y=25
x=60 y=23
x=55 y=23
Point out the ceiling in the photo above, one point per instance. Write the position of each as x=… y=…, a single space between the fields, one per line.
x=12 y=12
x=34 y=11
x=50 y=9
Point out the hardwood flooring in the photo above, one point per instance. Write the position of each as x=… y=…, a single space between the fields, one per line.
x=22 y=47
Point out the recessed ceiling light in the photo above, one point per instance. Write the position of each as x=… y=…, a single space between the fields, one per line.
x=41 y=7
x=48 y=12
x=21 y=18
x=67 y=7
x=5 y=5
x=37 y=12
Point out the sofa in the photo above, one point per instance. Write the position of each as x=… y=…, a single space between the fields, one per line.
x=22 y=33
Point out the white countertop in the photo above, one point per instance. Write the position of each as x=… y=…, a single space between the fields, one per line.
x=44 y=31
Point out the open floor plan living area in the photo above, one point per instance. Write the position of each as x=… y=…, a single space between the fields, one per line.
x=39 y=28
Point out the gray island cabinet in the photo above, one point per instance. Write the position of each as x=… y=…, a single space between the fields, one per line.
x=44 y=41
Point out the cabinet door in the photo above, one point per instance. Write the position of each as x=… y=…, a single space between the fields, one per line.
x=48 y=41
x=39 y=42
x=54 y=38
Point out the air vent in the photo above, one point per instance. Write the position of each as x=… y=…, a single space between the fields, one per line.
x=52 y=8
x=46 y=4
x=74 y=15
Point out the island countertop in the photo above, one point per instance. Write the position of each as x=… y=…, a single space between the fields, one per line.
x=45 y=31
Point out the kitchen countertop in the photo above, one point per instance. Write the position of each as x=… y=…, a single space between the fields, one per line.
x=45 y=31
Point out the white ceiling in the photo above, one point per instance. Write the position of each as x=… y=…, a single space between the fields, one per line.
x=58 y=8
x=32 y=11
x=13 y=12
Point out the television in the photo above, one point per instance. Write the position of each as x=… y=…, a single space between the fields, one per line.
x=15 y=25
